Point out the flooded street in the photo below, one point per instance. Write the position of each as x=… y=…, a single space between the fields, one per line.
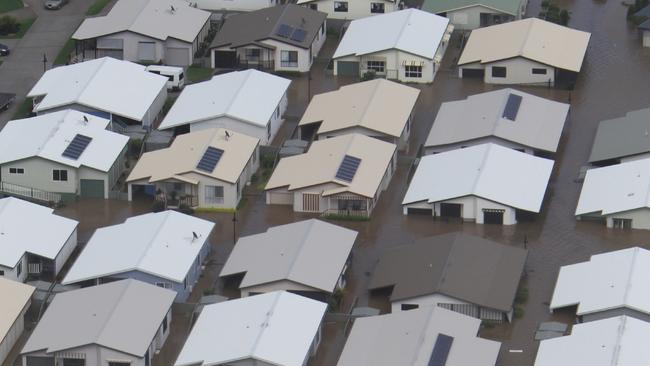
x=615 y=79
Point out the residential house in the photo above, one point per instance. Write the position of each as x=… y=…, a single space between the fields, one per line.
x=487 y=184
x=121 y=91
x=527 y=51
x=344 y=175
x=250 y=102
x=622 y=139
x=279 y=38
x=459 y=272
x=351 y=9
x=277 y=328
x=228 y=6
x=506 y=117
x=423 y=337
x=471 y=14
x=118 y=323
x=617 y=195
x=608 y=285
x=206 y=168
x=377 y=108
x=61 y=156
x=166 y=249
x=33 y=241
x=307 y=258
x=16 y=300
x=615 y=341
x=644 y=27
x=406 y=45
x=167 y=31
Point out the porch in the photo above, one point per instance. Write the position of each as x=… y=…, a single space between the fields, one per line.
x=177 y=195
x=349 y=205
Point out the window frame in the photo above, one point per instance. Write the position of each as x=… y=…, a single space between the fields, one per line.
x=413 y=71
x=339 y=5
x=288 y=62
x=62 y=175
x=376 y=66
x=539 y=71
x=17 y=171
x=495 y=72
x=377 y=8
x=214 y=199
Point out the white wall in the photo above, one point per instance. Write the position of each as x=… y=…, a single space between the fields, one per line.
x=131 y=40
x=469 y=18
x=646 y=38
x=283 y=285
x=640 y=218
x=356 y=8
x=7 y=341
x=38 y=174
x=493 y=139
x=65 y=252
x=472 y=209
x=518 y=71
x=12 y=273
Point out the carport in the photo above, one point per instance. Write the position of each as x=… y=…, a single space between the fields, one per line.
x=451 y=210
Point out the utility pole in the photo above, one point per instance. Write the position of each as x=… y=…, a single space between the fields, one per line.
x=44 y=62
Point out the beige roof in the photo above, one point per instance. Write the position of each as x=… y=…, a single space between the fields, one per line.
x=532 y=38
x=15 y=296
x=379 y=105
x=187 y=150
x=320 y=164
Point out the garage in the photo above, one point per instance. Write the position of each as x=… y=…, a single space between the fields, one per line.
x=225 y=59
x=451 y=210
x=280 y=198
x=39 y=361
x=419 y=211
x=92 y=188
x=494 y=217
x=147 y=51
x=347 y=68
x=110 y=47
x=473 y=73
x=177 y=56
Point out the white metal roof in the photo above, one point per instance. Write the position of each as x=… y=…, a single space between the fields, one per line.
x=275 y=328
x=14 y=295
x=488 y=171
x=250 y=96
x=620 y=341
x=48 y=135
x=607 y=281
x=159 y=19
x=17 y=234
x=119 y=87
x=408 y=338
x=160 y=244
x=411 y=30
x=616 y=188
x=231 y=5
x=310 y=252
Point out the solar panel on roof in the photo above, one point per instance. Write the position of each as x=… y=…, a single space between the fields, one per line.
x=284 y=31
x=348 y=168
x=210 y=159
x=441 y=350
x=77 y=146
x=512 y=107
x=299 y=35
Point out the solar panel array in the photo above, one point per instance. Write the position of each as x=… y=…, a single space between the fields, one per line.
x=77 y=146
x=348 y=168
x=284 y=31
x=299 y=35
x=210 y=159
x=440 y=351
x=512 y=107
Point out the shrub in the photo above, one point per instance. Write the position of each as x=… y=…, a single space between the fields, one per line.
x=186 y=209
x=9 y=25
x=158 y=206
x=368 y=75
x=522 y=295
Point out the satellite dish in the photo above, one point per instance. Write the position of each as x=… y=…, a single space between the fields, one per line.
x=227 y=135
x=85 y=119
x=173 y=9
x=194 y=235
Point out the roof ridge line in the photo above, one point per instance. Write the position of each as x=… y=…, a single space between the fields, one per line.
x=528 y=31
x=153 y=238
x=375 y=90
x=103 y=62
x=443 y=275
x=264 y=326
x=488 y=150
x=300 y=250
x=401 y=31
x=629 y=275
x=113 y=308
x=499 y=117
x=248 y=72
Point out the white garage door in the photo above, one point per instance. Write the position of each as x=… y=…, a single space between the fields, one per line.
x=280 y=198
x=147 y=51
x=111 y=47
x=177 y=56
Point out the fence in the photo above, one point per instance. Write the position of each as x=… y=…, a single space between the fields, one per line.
x=37 y=194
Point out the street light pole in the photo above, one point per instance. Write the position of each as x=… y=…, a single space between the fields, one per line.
x=234 y=227
x=44 y=62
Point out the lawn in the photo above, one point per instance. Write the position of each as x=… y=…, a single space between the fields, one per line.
x=9 y=5
x=96 y=7
x=195 y=74
x=24 y=27
x=62 y=56
x=24 y=109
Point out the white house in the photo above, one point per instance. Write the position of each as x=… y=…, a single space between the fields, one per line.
x=488 y=184
x=406 y=45
x=277 y=328
x=26 y=251
x=344 y=175
x=166 y=249
x=168 y=31
x=249 y=102
x=619 y=341
x=608 y=285
x=61 y=156
x=472 y=14
x=283 y=38
x=422 y=337
x=206 y=168
x=119 y=323
x=506 y=117
x=527 y=51
x=351 y=9
x=617 y=195
x=121 y=91
x=16 y=300
x=227 y=6
x=308 y=258
x=377 y=108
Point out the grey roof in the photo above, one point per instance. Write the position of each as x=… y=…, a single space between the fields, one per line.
x=645 y=12
x=620 y=137
x=645 y=25
x=310 y=252
x=458 y=265
x=250 y=28
x=538 y=124
x=123 y=316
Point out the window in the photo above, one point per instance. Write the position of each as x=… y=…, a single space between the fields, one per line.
x=539 y=71
x=185 y=282
x=214 y=194
x=413 y=71
x=19 y=269
x=622 y=223
x=498 y=72
x=376 y=66
x=409 y=306
x=376 y=8
x=181 y=76
x=60 y=175
x=119 y=363
x=341 y=6
x=2 y=273
x=277 y=112
x=322 y=29
x=252 y=53
x=313 y=6
x=268 y=130
x=166 y=285
x=165 y=324
x=16 y=171
x=289 y=59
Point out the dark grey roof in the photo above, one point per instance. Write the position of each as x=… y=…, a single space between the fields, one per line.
x=621 y=137
x=645 y=25
x=250 y=28
x=645 y=12
x=458 y=265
